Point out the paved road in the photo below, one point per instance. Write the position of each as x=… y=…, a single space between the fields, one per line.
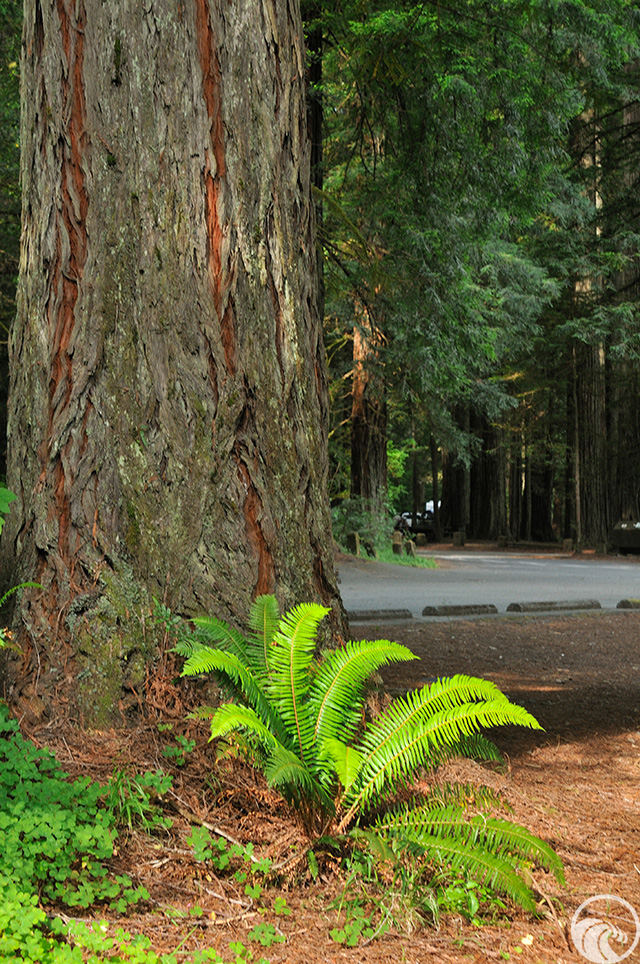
x=498 y=578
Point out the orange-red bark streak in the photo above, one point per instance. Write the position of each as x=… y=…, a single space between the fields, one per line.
x=214 y=179
x=211 y=81
x=252 y=510
x=65 y=279
x=214 y=232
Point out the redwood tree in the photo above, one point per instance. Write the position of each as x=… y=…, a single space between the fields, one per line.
x=168 y=402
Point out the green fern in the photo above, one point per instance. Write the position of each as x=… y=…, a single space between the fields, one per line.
x=304 y=718
x=491 y=849
x=425 y=727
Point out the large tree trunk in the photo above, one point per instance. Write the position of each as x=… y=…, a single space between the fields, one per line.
x=168 y=412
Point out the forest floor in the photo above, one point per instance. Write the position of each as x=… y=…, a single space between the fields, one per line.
x=577 y=785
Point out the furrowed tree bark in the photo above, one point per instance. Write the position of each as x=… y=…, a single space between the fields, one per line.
x=168 y=400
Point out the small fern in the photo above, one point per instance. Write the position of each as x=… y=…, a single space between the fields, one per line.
x=304 y=718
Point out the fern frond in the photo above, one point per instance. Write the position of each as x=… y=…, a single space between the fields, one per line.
x=291 y=657
x=497 y=835
x=263 y=622
x=21 y=585
x=457 y=854
x=377 y=843
x=468 y=795
x=230 y=717
x=477 y=746
x=504 y=835
x=201 y=713
x=206 y=660
x=337 y=693
x=345 y=760
x=286 y=772
x=210 y=631
x=417 y=727
x=447 y=690
x=473 y=746
x=187 y=645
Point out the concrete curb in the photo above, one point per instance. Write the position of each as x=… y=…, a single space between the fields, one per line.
x=479 y=610
x=628 y=604
x=364 y=615
x=485 y=609
x=554 y=606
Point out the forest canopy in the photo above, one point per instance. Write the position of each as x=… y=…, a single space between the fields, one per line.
x=480 y=218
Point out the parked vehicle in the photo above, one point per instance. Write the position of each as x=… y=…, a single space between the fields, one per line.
x=423 y=523
x=626 y=536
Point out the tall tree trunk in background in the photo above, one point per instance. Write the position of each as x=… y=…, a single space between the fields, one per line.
x=455 y=512
x=624 y=464
x=368 y=415
x=417 y=479
x=592 y=443
x=417 y=506
x=515 y=485
x=168 y=405
x=543 y=469
x=623 y=380
x=435 y=470
x=590 y=432
x=577 y=467
x=568 y=531
x=489 y=484
x=525 y=532
x=456 y=491
x=542 y=480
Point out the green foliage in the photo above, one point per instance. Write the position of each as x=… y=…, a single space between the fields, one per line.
x=23 y=928
x=354 y=515
x=6 y=639
x=416 y=562
x=479 y=198
x=27 y=936
x=178 y=754
x=265 y=934
x=54 y=840
x=280 y=908
x=54 y=835
x=357 y=924
x=238 y=859
x=399 y=887
x=304 y=717
x=397 y=490
x=132 y=799
x=6 y=498
x=484 y=848
x=465 y=896
x=244 y=954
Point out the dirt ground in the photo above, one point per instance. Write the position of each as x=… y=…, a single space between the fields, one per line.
x=577 y=785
